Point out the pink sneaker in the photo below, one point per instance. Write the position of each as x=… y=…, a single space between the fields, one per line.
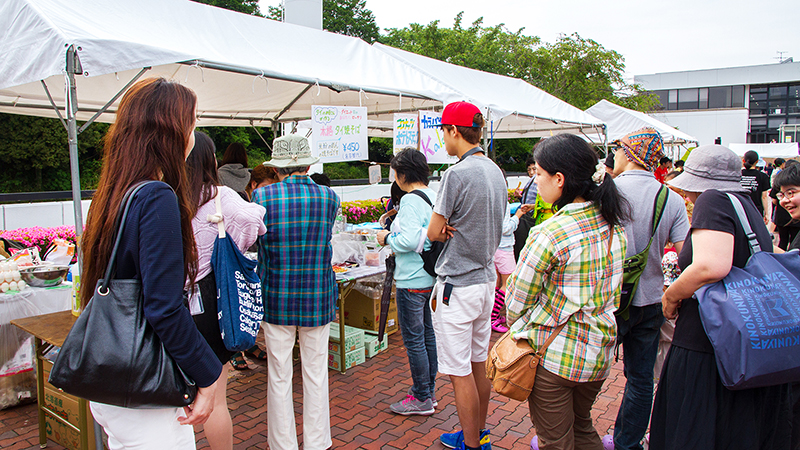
x=498 y=324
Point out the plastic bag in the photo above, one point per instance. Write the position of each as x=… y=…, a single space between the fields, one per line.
x=347 y=250
x=60 y=252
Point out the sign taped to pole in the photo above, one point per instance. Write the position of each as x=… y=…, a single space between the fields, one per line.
x=339 y=133
x=431 y=139
x=405 y=132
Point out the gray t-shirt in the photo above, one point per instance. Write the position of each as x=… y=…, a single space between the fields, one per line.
x=640 y=188
x=473 y=199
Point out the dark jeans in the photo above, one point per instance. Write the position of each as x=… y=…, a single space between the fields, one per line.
x=639 y=338
x=414 y=314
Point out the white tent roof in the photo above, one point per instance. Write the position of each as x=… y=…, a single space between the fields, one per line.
x=517 y=108
x=244 y=69
x=778 y=150
x=621 y=121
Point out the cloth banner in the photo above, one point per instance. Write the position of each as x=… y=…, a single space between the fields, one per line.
x=339 y=133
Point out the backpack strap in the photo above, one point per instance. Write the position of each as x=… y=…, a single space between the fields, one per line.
x=422 y=195
x=752 y=239
x=659 y=204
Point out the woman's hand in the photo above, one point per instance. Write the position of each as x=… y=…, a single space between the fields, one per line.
x=669 y=307
x=382 y=237
x=524 y=209
x=197 y=413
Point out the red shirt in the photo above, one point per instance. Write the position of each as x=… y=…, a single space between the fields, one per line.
x=660 y=173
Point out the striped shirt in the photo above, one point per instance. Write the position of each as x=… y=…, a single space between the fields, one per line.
x=565 y=274
x=294 y=256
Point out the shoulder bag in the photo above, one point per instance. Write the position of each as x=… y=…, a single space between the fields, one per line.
x=633 y=268
x=240 y=305
x=752 y=317
x=112 y=355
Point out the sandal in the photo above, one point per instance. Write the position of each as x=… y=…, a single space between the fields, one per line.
x=238 y=362
x=256 y=353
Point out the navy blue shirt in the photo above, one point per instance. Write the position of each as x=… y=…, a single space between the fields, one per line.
x=151 y=250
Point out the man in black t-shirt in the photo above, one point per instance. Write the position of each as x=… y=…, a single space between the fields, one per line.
x=756 y=183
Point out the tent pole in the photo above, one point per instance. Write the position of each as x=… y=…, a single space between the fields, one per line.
x=111 y=102
x=53 y=104
x=72 y=132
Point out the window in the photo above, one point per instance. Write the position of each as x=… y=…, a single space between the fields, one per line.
x=777 y=108
x=794 y=106
x=776 y=122
x=703 y=98
x=663 y=98
x=794 y=90
x=673 y=99
x=777 y=92
x=758 y=122
x=720 y=97
x=758 y=108
x=688 y=99
x=737 y=100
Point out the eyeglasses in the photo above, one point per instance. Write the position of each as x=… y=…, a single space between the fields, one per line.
x=786 y=194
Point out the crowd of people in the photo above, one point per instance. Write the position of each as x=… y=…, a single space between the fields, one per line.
x=554 y=267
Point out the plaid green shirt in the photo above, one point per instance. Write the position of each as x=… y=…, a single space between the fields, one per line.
x=565 y=274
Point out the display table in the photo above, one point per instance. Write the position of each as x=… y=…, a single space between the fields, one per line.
x=17 y=380
x=67 y=417
x=346 y=281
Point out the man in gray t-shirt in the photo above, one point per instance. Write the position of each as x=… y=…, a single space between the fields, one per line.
x=634 y=162
x=468 y=217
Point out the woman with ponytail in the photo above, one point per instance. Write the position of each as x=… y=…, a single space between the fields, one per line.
x=567 y=282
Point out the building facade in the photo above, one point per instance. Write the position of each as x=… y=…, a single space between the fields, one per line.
x=736 y=104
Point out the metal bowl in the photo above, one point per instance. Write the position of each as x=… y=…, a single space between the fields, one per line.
x=44 y=276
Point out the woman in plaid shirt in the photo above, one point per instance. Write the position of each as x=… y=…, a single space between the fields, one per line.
x=569 y=274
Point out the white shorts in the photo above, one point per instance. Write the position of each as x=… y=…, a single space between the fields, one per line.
x=143 y=429
x=463 y=327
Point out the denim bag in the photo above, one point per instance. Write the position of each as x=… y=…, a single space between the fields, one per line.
x=752 y=317
x=240 y=305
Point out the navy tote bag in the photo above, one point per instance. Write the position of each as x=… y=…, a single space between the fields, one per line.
x=752 y=317
x=240 y=306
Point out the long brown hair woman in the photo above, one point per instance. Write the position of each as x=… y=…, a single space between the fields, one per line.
x=150 y=139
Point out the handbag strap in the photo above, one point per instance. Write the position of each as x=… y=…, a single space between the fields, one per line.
x=119 y=226
x=752 y=239
x=217 y=218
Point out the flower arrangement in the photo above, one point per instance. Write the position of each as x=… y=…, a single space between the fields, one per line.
x=360 y=211
x=514 y=195
x=39 y=236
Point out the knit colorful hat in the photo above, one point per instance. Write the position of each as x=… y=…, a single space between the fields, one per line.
x=644 y=147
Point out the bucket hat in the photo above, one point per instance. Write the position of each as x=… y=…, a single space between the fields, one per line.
x=710 y=167
x=291 y=150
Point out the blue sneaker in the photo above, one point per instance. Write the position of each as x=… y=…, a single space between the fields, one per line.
x=456 y=440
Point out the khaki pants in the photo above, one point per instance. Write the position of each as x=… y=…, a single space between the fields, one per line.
x=561 y=411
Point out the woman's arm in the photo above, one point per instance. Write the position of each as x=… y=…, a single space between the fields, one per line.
x=525 y=284
x=243 y=220
x=411 y=219
x=712 y=259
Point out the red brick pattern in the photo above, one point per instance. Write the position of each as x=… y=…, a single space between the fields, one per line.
x=360 y=417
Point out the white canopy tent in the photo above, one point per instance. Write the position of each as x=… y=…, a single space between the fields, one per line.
x=79 y=56
x=621 y=121
x=517 y=108
x=778 y=150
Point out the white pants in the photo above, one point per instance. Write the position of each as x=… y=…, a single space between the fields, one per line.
x=280 y=405
x=143 y=429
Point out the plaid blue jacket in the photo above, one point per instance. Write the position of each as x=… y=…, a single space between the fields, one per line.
x=294 y=256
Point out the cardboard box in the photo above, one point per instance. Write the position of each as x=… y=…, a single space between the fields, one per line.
x=351 y=359
x=363 y=311
x=372 y=347
x=353 y=338
x=60 y=433
x=65 y=406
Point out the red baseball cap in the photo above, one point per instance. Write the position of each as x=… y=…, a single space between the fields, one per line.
x=460 y=114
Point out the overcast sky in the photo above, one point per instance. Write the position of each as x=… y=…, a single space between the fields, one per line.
x=652 y=36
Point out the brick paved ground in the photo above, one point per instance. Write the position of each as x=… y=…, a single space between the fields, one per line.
x=359 y=410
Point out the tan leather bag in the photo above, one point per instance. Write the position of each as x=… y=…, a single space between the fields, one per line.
x=512 y=364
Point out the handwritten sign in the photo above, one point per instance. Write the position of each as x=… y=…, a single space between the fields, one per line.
x=339 y=133
x=431 y=139
x=406 y=131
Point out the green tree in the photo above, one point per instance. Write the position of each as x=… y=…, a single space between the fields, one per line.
x=348 y=17
x=242 y=6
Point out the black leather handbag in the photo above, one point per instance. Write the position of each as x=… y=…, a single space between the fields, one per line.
x=112 y=355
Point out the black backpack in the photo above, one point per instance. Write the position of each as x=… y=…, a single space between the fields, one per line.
x=429 y=257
